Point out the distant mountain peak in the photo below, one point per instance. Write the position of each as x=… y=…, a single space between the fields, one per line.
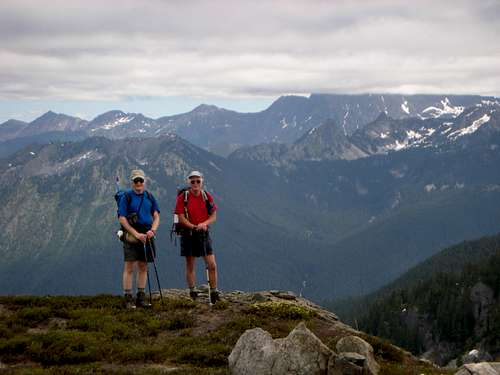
x=206 y=109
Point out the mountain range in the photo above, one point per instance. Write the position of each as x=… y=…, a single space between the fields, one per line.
x=336 y=211
x=285 y=121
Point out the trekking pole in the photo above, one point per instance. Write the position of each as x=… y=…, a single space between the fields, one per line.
x=147 y=273
x=206 y=269
x=153 y=249
x=209 y=292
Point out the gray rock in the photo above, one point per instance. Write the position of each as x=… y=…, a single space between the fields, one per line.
x=259 y=297
x=300 y=353
x=476 y=356
x=483 y=368
x=355 y=344
x=347 y=364
x=254 y=353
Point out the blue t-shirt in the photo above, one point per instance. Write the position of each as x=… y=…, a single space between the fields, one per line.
x=145 y=216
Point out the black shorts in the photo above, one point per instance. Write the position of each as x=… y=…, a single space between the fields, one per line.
x=135 y=252
x=197 y=244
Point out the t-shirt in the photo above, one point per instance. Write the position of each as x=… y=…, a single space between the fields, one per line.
x=145 y=216
x=197 y=209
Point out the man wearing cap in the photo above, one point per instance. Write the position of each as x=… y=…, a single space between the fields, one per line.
x=195 y=217
x=139 y=214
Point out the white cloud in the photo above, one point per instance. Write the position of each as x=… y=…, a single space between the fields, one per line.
x=90 y=50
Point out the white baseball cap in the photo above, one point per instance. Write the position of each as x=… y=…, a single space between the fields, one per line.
x=195 y=174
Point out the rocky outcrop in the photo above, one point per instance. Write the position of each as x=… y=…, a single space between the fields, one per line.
x=476 y=356
x=483 y=368
x=301 y=352
x=483 y=298
x=355 y=344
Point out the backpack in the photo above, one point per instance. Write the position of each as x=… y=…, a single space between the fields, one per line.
x=177 y=227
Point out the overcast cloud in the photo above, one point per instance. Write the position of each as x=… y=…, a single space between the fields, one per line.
x=116 y=49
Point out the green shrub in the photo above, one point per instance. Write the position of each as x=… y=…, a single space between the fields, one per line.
x=282 y=310
x=68 y=347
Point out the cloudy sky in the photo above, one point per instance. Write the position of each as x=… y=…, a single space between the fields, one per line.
x=84 y=57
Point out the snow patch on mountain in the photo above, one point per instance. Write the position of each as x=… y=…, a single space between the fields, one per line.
x=345 y=120
x=215 y=166
x=447 y=109
x=405 y=108
x=490 y=102
x=283 y=123
x=117 y=122
x=429 y=187
x=470 y=129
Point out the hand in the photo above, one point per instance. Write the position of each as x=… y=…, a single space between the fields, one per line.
x=150 y=234
x=141 y=237
x=202 y=226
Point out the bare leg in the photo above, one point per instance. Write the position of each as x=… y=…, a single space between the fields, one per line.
x=128 y=270
x=190 y=271
x=142 y=275
x=212 y=270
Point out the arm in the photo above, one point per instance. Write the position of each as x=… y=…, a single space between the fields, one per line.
x=211 y=219
x=185 y=222
x=124 y=222
x=154 y=227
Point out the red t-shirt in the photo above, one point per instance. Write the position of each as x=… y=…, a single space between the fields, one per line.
x=197 y=209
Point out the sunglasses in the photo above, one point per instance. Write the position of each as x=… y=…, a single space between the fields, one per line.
x=195 y=182
x=138 y=180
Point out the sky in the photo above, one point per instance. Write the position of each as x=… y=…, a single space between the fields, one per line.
x=159 y=57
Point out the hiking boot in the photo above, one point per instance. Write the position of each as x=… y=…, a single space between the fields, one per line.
x=214 y=296
x=193 y=294
x=140 y=301
x=129 y=301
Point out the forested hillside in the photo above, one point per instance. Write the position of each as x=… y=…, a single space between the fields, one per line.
x=444 y=307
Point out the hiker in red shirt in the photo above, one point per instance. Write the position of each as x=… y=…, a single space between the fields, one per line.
x=195 y=218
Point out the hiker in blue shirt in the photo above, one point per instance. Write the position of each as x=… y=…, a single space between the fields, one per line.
x=139 y=214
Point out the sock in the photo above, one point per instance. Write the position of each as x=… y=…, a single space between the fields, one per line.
x=213 y=290
x=191 y=288
x=127 y=291
x=139 y=290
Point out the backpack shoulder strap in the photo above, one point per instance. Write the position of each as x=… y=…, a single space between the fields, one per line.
x=127 y=197
x=204 y=194
x=208 y=204
x=186 y=194
x=151 y=199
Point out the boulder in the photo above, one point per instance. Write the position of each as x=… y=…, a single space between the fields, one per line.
x=476 y=356
x=347 y=364
x=254 y=353
x=483 y=368
x=300 y=353
x=355 y=344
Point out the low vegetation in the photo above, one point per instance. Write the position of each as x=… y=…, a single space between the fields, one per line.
x=96 y=335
